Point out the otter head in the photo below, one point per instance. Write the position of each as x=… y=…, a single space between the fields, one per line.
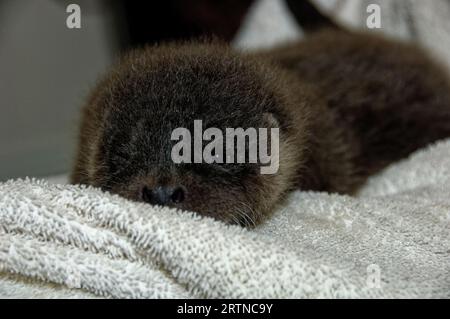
x=154 y=91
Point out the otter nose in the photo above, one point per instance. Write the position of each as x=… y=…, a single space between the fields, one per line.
x=162 y=195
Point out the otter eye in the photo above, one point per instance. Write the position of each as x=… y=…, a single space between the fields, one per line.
x=178 y=195
x=118 y=160
x=121 y=158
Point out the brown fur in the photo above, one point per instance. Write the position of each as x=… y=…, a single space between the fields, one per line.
x=390 y=96
x=347 y=105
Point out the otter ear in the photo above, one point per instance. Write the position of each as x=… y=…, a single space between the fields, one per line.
x=270 y=121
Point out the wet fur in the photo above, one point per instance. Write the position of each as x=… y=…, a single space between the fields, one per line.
x=347 y=105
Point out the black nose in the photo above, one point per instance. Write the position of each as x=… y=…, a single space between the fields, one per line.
x=162 y=195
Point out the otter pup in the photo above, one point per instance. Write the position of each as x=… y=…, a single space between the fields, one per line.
x=346 y=105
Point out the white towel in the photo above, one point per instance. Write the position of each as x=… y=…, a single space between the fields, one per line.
x=391 y=241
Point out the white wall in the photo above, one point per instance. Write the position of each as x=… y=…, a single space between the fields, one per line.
x=46 y=71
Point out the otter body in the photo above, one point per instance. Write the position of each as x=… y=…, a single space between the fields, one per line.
x=390 y=95
x=346 y=104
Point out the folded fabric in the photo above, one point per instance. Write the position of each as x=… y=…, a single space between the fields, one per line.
x=393 y=240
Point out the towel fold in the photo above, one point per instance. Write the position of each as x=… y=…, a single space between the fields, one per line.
x=393 y=240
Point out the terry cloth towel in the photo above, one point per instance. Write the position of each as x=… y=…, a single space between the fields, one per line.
x=393 y=240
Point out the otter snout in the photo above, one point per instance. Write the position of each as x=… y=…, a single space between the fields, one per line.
x=163 y=195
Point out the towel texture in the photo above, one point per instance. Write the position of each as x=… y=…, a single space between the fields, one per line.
x=393 y=240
